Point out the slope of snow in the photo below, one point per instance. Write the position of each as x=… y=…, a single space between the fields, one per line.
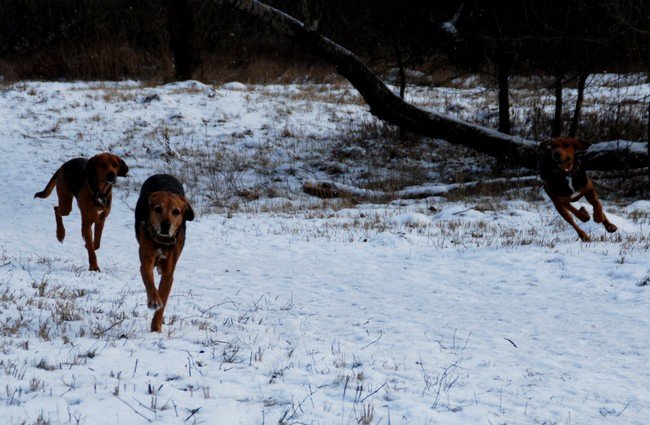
x=411 y=312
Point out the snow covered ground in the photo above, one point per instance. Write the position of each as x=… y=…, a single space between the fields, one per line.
x=288 y=309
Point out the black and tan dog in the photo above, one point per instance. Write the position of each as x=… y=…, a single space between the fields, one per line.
x=90 y=181
x=566 y=181
x=160 y=216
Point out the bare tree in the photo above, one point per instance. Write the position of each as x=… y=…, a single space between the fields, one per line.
x=503 y=62
x=556 y=129
x=582 y=83
x=181 y=32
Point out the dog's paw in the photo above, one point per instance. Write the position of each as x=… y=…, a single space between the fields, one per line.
x=60 y=235
x=611 y=228
x=155 y=302
x=584 y=237
x=583 y=214
x=599 y=217
x=96 y=246
x=94 y=268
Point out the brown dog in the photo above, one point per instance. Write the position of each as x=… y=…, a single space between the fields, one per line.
x=160 y=216
x=566 y=181
x=91 y=182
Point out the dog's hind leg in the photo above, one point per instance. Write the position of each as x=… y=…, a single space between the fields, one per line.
x=63 y=209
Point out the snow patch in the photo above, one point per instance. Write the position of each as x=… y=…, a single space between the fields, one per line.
x=641 y=206
x=475 y=314
x=620 y=145
x=411 y=219
x=234 y=85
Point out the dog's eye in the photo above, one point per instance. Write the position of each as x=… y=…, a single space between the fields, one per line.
x=158 y=210
x=176 y=212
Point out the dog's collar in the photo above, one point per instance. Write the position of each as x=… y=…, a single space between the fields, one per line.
x=165 y=241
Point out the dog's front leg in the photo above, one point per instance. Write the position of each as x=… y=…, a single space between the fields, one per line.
x=166 y=267
x=166 y=282
x=581 y=213
x=147 y=262
x=559 y=206
x=99 y=228
x=599 y=215
x=86 y=233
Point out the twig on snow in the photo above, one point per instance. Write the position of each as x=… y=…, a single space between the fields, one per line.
x=381 y=333
x=133 y=408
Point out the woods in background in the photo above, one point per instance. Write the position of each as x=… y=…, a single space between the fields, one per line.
x=93 y=39
x=563 y=42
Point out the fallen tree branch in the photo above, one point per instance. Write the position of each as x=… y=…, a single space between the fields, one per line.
x=620 y=174
x=388 y=106
x=420 y=192
x=327 y=189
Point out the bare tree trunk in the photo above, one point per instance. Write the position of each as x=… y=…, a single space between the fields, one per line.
x=181 y=33
x=400 y=65
x=557 y=117
x=387 y=106
x=582 y=78
x=402 y=74
x=503 y=76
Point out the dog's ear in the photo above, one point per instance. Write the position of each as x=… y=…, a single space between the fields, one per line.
x=91 y=164
x=91 y=169
x=581 y=145
x=123 y=168
x=189 y=212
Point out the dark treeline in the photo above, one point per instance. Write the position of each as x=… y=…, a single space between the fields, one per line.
x=167 y=39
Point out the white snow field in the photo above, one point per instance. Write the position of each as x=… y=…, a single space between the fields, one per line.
x=290 y=309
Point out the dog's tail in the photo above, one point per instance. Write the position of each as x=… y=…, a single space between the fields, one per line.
x=48 y=189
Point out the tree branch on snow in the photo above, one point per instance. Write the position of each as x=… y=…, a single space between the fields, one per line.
x=327 y=189
x=387 y=106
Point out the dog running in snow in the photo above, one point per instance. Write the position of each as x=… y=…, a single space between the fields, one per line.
x=160 y=216
x=566 y=181
x=91 y=182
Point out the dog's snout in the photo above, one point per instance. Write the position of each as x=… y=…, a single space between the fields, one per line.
x=165 y=225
